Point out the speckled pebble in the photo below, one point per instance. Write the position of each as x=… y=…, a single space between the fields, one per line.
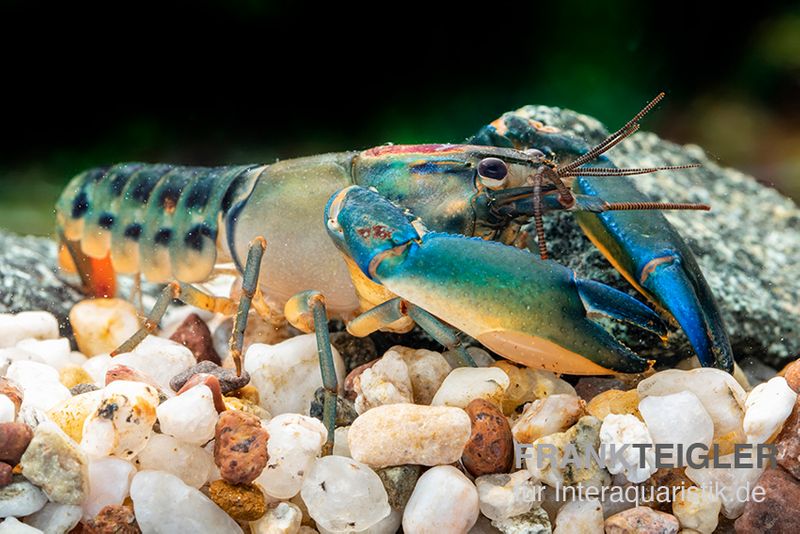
x=399 y=482
x=345 y=409
x=490 y=448
x=240 y=447
x=642 y=520
x=113 y=519
x=534 y=522
x=55 y=463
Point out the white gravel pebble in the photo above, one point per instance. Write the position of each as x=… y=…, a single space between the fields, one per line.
x=285 y=518
x=40 y=384
x=580 y=517
x=444 y=500
x=109 y=483
x=158 y=358
x=31 y=324
x=676 y=419
x=287 y=374
x=14 y=526
x=344 y=495
x=767 y=407
x=542 y=417
x=386 y=382
x=294 y=442
x=729 y=483
x=697 y=509
x=8 y=410
x=504 y=496
x=54 y=352
x=163 y=504
x=465 y=384
x=189 y=462
x=55 y=518
x=190 y=417
x=102 y=325
x=618 y=431
x=21 y=498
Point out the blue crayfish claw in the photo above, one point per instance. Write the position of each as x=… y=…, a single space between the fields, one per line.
x=528 y=310
x=642 y=245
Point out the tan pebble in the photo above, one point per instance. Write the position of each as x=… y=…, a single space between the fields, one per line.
x=241 y=502
x=72 y=375
x=102 y=325
x=398 y=434
x=248 y=393
x=243 y=405
x=490 y=448
x=10 y=390
x=615 y=401
x=792 y=375
x=642 y=520
x=113 y=519
x=71 y=414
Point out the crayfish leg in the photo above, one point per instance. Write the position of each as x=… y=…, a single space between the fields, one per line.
x=307 y=312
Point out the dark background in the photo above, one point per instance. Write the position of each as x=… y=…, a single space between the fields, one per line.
x=243 y=81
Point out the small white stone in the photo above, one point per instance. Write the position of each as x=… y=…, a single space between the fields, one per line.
x=109 y=483
x=427 y=370
x=40 y=384
x=766 y=409
x=731 y=484
x=8 y=410
x=721 y=395
x=53 y=352
x=679 y=418
x=388 y=525
x=294 y=442
x=697 y=509
x=343 y=495
x=123 y=421
x=55 y=518
x=287 y=374
x=551 y=414
x=158 y=358
x=21 y=498
x=285 y=518
x=163 y=504
x=444 y=500
x=23 y=325
x=190 y=463
x=618 y=431
x=102 y=325
x=97 y=366
x=13 y=526
x=580 y=517
x=190 y=416
x=386 y=382
x=504 y=496
x=399 y=434
x=340 y=446
x=465 y=384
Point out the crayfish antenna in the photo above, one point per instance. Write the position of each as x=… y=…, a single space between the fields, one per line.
x=612 y=140
x=627 y=206
x=612 y=171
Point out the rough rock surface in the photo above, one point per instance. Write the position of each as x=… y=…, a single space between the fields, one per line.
x=748 y=246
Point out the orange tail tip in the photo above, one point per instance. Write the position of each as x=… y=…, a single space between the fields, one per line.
x=102 y=282
x=97 y=275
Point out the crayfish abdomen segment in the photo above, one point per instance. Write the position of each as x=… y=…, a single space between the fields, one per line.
x=160 y=220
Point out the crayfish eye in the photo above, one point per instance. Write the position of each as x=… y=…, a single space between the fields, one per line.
x=493 y=172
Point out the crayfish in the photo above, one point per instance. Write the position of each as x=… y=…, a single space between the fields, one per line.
x=435 y=235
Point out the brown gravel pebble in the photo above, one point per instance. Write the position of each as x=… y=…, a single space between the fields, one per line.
x=792 y=375
x=240 y=447
x=113 y=519
x=14 y=439
x=242 y=502
x=490 y=448
x=777 y=512
x=212 y=383
x=193 y=333
x=11 y=391
x=642 y=520
x=788 y=443
x=6 y=474
x=228 y=381
x=350 y=380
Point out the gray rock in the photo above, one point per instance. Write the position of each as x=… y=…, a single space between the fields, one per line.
x=748 y=247
x=28 y=279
